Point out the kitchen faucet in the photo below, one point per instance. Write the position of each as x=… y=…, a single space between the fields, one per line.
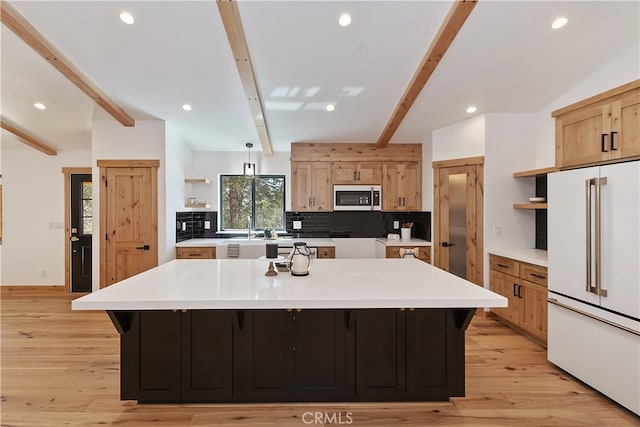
x=248 y=228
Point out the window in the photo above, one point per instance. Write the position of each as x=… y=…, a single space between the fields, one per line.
x=258 y=202
x=86 y=216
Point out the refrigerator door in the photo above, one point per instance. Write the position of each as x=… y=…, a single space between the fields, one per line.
x=620 y=257
x=567 y=234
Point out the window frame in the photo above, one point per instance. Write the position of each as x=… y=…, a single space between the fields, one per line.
x=253 y=202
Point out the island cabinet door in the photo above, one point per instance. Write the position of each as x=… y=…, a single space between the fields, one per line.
x=380 y=354
x=150 y=354
x=265 y=356
x=323 y=355
x=207 y=356
x=435 y=355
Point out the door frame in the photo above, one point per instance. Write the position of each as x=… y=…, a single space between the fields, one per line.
x=107 y=164
x=478 y=162
x=68 y=171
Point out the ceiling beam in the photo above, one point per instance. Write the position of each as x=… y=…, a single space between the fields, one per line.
x=448 y=31
x=230 y=15
x=28 y=33
x=30 y=140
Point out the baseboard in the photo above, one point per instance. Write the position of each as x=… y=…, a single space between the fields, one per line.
x=7 y=289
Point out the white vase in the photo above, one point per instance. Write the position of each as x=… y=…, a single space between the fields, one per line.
x=405 y=233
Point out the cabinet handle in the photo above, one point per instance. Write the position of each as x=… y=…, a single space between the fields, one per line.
x=515 y=294
x=358 y=175
x=195 y=254
x=314 y=200
x=613 y=142
x=519 y=289
x=239 y=318
x=348 y=320
x=539 y=276
x=502 y=265
x=310 y=201
x=603 y=143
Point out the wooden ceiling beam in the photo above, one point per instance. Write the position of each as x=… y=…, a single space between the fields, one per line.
x=32 y=37
x=230 y=15
x=448 y=31
x=28 y=139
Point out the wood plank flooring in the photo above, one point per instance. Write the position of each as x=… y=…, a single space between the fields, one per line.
x=61 y=368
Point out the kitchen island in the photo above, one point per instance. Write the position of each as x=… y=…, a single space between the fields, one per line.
x=353 y=330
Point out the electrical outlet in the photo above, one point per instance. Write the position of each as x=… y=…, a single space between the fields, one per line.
x=184 y=226
x=396 y=224
x=297 y=225
x=43 y=273
x=207 y=225
x=497 y=230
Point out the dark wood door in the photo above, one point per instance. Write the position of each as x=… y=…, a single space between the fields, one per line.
x=207 y=356
x=151 y=352
x=323 y=358
x=380 y=354
x=265 y=355
x=81 y=232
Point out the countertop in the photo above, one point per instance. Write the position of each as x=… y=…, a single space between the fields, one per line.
x=399 y=242
x=283 y=242
x=331 y=284
x=532 y=256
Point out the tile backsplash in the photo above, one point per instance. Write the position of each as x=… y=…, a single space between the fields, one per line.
x=190 y=225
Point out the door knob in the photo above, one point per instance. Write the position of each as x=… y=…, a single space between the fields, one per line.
x=144 y=248
x=447 y=244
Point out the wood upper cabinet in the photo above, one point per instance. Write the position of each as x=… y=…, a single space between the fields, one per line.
x=600 y=129
x=401 y=186
x=311 y=188
x=525 y=286
x=356 y=173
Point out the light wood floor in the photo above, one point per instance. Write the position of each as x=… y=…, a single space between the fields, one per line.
x=61 y=368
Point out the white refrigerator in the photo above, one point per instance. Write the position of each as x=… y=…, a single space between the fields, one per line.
x=593 y=229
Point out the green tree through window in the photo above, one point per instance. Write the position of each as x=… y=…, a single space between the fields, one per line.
x=258 y=201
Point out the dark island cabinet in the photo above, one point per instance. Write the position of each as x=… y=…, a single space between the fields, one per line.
x=278 y=355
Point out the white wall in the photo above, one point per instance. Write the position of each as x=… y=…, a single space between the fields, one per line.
x=178 y=159
x=622 y=69
x=427 y=177
x=459 y=140
x=112 y=141
x=33 y=215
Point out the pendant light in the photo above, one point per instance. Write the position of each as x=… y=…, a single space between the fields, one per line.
x=248 y=168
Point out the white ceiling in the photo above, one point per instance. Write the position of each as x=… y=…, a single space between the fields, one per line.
x=506 y=59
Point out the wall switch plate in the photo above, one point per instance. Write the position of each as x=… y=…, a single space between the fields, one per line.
x=497 y=230
x=207 y=225
x=396 y=224
x=297 y=225
x=184 y=226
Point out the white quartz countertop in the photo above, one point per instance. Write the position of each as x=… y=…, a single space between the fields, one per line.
x=401 y=242
x=332 y=283
x=532 y=256
x=283 y=242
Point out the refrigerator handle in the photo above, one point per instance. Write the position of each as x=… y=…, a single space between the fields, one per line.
x=588 y=184
x=599 y=183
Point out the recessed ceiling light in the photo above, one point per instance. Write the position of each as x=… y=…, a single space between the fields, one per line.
x=471 y=109
x=344 y=20
x=330 y=107
x=127 y=18
x=559 y=23
x=186 y=107
x=40 y=106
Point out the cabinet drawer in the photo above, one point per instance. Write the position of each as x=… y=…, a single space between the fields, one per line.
x=504 y=265
x=206 y=252
x=326 y=252
x=424 y=252
x=534 y=273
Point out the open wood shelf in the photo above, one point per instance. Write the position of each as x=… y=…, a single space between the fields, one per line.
x=197 y=180
x=534 y=172
x=197 y=205
x=529 y=206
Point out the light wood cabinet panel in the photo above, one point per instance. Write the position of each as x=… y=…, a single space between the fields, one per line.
x=401 y=186
x=204 y=252
x=424 y=252
x=366 y=173
x=525 y=286
x=600 y=129
x=311 y=188
x=326 y=252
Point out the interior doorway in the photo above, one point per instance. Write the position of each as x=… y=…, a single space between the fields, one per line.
x=458 y=217
x=78 y=192
x=128 y=218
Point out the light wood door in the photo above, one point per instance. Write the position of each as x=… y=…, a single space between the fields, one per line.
x=130 y=207
x=458 y=221
x=533 y=310
x=391 y=200
x=628 y=127
x=311 y=188
x=580 y=137
x=506 y=286
x=344 y=173
x=401 y=186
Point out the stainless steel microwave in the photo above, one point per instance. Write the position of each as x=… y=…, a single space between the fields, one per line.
x=357 y=197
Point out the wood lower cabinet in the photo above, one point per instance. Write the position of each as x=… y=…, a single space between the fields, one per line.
x=525 y=286
x=401 y=186
x=424 y=252
x=311 y=187
x=326 y=252
x=600 y=129
x=288 y=355
x=203 y=252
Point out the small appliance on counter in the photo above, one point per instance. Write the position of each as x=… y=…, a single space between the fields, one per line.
x=393 y=236
x=300 y=259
